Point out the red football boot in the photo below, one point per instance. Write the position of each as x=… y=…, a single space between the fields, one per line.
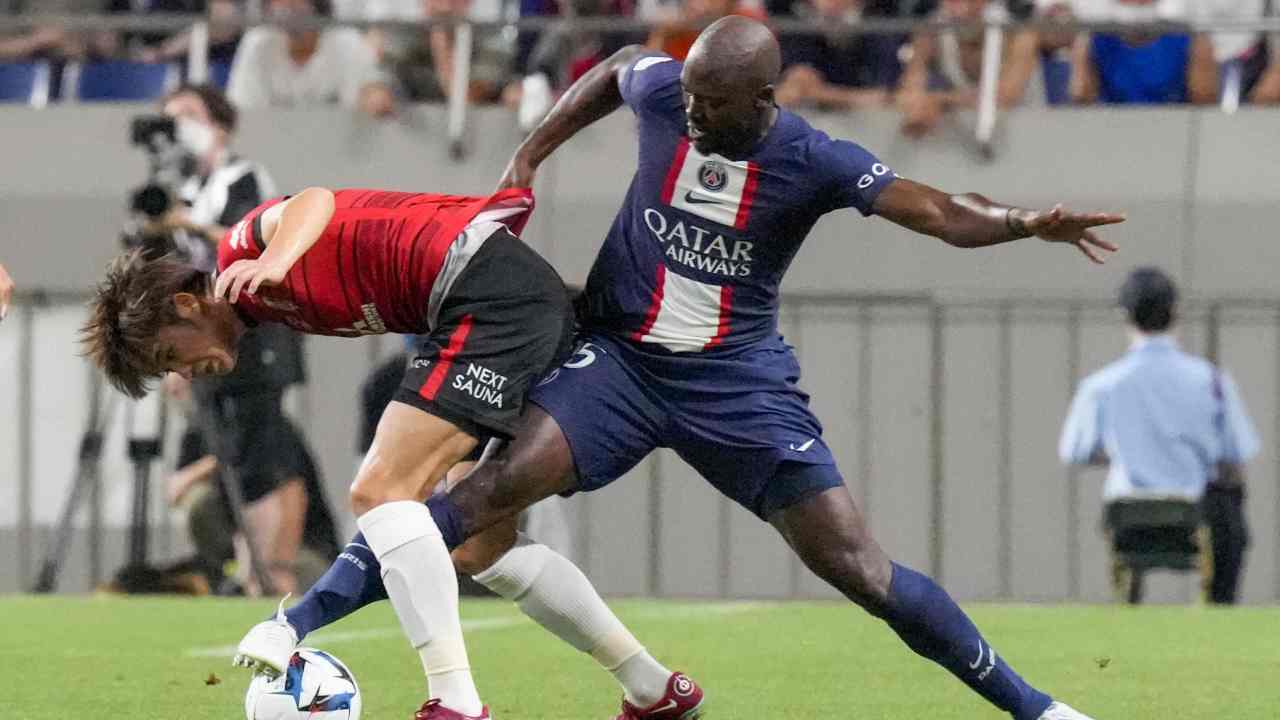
x=433 y=710
x=683 y=701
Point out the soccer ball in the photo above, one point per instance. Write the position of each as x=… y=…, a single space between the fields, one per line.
x=315 y=686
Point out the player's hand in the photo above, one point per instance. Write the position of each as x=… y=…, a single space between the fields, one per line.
x=247 y=276
x=519 y=173
x=6 y=292
x=1063 y=226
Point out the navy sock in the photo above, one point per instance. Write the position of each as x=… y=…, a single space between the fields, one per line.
x=353 y=581
x=931 y=624
x=448 y=518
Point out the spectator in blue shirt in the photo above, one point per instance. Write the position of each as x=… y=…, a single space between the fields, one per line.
x=1141 y=67
x=1169 y=424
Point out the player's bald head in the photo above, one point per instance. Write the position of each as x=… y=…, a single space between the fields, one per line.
x=728 y=85
x=736 y=50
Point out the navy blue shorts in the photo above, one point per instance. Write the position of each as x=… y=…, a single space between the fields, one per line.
x=739 y=420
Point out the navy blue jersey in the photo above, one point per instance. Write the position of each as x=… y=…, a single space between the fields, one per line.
x=693 y=260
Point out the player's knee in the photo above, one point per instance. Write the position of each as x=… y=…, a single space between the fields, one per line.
x=361 y=497
x=861 y=573
x=371 y=488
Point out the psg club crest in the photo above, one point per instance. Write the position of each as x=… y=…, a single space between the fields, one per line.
x=713 y=176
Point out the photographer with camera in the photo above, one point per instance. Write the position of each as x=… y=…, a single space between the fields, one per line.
x=216 y=186
x=198 y=188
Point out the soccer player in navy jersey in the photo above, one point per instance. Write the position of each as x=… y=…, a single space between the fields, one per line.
x=679 y=347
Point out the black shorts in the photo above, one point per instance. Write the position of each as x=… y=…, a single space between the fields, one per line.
x=506 y=321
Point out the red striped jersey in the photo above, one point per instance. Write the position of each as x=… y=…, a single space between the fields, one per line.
x=694 y=257
x=381 y=265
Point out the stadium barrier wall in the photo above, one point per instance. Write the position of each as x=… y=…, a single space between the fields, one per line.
x=942 y=375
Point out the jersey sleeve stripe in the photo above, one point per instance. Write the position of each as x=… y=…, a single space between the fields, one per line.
x=673 y=174
x=256 y=232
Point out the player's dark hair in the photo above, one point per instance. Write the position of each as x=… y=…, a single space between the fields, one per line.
x=127 y=311
x=1149 y=295
x=221 y=111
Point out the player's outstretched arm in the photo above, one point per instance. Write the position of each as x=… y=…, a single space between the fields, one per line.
x=973 y=221
x=593 y=96
x=288 y=230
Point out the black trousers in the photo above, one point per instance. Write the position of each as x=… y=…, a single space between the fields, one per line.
x=1223 y=508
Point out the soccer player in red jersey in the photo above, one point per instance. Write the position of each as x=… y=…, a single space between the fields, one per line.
x=493 y=316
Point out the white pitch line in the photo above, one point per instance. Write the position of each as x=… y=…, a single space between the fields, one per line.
x=335 y=637
x=345 y=636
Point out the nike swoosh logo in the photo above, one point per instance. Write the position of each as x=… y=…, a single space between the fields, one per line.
x=803 y=446
x=689 y=197
x=977 y=662
x=671 y=705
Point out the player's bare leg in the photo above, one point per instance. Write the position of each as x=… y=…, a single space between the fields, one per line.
x=546 y=586
x=830 y=535
x=536 y=464
x=411 y=453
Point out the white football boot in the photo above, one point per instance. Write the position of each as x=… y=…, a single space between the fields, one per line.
x=267 y=647
x=1062 y=711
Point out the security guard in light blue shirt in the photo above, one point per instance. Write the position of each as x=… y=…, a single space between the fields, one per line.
x=1169 y=424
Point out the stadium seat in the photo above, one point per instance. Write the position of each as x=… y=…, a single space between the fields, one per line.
x=219 y=74
x=1057 y=79
x=1153 y=534
x=118 y=81
x=25 y=83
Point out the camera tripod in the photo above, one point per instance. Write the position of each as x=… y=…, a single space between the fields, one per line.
x=146 y=423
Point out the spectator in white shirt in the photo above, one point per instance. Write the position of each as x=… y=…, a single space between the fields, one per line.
x=276 y=67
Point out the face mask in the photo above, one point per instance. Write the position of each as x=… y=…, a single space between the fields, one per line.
x=196 y=137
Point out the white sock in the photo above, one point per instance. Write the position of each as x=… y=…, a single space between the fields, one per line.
x=555 y=594
x=643 y=679
x=423 y=588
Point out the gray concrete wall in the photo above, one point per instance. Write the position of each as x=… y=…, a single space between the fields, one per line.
x=1199 y=188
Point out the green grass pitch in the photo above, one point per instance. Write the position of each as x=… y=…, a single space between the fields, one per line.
x=159 y=657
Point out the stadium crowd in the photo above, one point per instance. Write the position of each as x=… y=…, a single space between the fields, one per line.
x=923 y=76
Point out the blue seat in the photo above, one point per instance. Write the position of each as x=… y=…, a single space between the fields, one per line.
x=1057 y=79
x=219 y=74
x=24 y=82
x=118 y=81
